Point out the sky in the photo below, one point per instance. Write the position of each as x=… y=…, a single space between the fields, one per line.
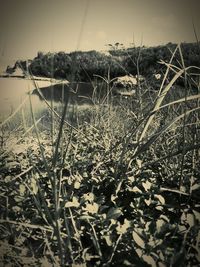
x=29 y=26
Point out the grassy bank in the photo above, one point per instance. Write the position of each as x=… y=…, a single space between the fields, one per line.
x=113 y=185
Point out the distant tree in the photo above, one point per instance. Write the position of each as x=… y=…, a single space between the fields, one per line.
x=81 y=66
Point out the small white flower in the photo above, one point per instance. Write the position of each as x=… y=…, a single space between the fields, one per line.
x=91 y=208
x=89 y=197
x=77 y=185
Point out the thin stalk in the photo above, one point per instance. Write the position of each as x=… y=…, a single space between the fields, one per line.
x=51 y=253
x=38 y=139
x=28 y=225
x=59 y=239
x=28 y=130
x=47 y=212
x=54 y=188
x=52 y=107
x=68 y=242
x=171 y=155
x=155 y=136
x=167 y=71
x=23 y=120
x=114 y=249
x=138 y=89
x=184 y=118
x=66 y=122
x=67 y=148
x=77 y=235
x=59 y=134
x=160 y=100
x=95 y=239
x=15 y=112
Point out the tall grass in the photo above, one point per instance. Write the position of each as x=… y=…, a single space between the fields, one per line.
x=100 y=192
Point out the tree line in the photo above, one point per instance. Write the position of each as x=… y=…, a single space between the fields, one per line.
x=119 y=61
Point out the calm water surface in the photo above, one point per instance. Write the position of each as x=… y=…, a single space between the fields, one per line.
x=14 y=91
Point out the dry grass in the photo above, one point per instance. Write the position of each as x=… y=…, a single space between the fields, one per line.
x=119 y=188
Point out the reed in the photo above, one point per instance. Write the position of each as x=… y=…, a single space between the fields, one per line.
x=106 y=191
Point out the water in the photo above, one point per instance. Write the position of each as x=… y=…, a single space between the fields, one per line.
x=15 y=91
x=12 y=93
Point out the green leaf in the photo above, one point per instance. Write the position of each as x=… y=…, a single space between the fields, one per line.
x=148 y=201
x=138 y=240
x=114 y=213
x=165 y=218
x=108 y=240
x=74 y=203
x=148 y=259
x=18 y=199
x=34 y=186
x=86 y=217
x=16 y=208
x=195 y=187
x=190 y=219
x=159 y=224
x=197 y=215
x=160 y=198
x=91 y=208
x=147 y=185
x=136 y=190
x=22 y=189
x=122 y=228
x=161 y=264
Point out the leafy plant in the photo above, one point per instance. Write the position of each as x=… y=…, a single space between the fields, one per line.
x=118 y=189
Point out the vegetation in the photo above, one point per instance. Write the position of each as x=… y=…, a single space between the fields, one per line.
x=120 y=60
x=114 y=185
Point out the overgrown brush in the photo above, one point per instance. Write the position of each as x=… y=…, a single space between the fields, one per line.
x=120 y=189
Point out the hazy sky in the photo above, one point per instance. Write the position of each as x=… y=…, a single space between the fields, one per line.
x=29 y=26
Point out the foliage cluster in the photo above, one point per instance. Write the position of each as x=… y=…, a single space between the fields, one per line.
x=120 y=188
x=82 y=65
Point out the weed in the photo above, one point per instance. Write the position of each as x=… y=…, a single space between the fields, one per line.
x=116 y=186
